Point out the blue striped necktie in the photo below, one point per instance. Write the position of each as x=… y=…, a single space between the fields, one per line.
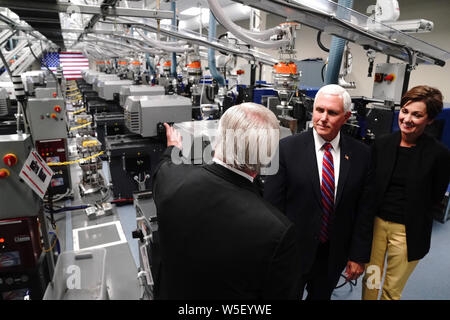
x=327 y=191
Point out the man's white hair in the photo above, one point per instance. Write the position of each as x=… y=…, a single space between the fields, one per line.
x=336 y=90
x=247 y=136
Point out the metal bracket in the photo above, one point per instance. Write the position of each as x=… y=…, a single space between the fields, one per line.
x=141 y=183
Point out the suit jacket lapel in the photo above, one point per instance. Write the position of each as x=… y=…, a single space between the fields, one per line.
x=311 y=162
x=345 y=164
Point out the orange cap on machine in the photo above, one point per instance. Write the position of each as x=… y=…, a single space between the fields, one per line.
x=289 y=68
x=194 y=64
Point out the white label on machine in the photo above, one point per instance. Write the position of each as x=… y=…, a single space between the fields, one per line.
x=36 y=173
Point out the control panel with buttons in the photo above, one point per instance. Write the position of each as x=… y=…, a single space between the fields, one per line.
x=16 y=198
x=20 y=255
x=47 y=118
x=55 y=151
x=388 y=81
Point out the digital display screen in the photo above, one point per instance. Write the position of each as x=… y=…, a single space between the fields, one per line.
x=57 y=182
x=54 y=159
x=9 y=259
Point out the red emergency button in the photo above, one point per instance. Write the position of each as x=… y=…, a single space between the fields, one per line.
x=57 y=108
x=389 y=77
x=54 y=94
x=4 y=173
x=53 y=116
x=10 y=159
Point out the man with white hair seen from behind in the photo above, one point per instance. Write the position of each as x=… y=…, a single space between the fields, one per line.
x=323 y=186
x=219 y=238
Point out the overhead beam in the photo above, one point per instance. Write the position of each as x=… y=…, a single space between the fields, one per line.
x=49 y=30
x=14 y=27
x=202 y=41
x=85 y=9
x=398 y=45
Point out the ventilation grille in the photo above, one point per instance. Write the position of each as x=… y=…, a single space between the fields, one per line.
x=4 y=107
x=132 y=121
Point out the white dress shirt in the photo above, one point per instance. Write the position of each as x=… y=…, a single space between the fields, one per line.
x=239 y=172
x=335 y=152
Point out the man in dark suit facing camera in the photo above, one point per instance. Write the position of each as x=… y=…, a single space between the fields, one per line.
x=219 y=238
x=322 y=185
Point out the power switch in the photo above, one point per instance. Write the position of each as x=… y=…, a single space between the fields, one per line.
x=10 y=159
x=53 y=116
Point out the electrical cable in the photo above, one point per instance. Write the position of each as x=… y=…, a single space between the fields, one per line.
x=65 y=209
x=75 y=161
x=81 y=126
x=58 y=245
x=321 y=72
x=73 y=94
x=6 y=65
x=319 y=42
x=106 y=196
x=121 y=200
x=60 y=196
x=77 y=111
x=199 y=41
x=54 y=243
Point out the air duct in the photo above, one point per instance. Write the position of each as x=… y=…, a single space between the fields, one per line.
x=337 y=46
x=212 y=53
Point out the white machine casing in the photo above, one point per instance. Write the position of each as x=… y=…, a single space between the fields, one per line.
x=90 y=75
x=9 y=86
x=103 y=77
x=143 y=113
x=139 y=90
x=5 y=102
x=107 y=88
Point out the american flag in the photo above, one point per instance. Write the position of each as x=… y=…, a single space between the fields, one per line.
x=72 y=64
x=50 y=59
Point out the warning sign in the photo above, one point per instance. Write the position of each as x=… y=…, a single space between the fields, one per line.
x=36 y=173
